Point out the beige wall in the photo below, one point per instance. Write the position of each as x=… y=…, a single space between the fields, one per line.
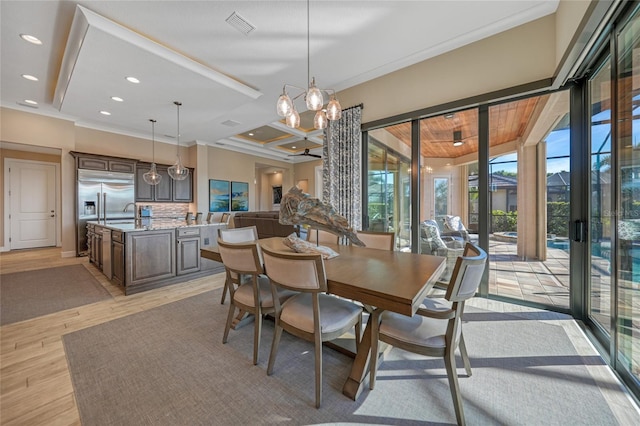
x=236 y=166
x=521 y=55
x=306 y=172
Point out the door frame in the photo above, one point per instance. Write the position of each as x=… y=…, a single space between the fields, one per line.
x=6 y=245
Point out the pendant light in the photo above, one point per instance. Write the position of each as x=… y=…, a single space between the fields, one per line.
x=178 y=171
x=152 y=177
x=312 y=96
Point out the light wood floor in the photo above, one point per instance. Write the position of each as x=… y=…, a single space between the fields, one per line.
x=35 y=384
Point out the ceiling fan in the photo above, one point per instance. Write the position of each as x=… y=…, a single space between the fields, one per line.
x=306 y=153
x=457 y=139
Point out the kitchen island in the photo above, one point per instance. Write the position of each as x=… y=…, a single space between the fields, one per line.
x=143 y=254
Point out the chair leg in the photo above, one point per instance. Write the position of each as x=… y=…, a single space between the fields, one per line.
x=318 y=344
x=465 y=357
x=452 y=375
x=373 y=358
x=274 y=347
x=224 y=292
x=257 y=331
x=227 y=327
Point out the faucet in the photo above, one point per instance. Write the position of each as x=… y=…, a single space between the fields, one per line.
x=127 y=206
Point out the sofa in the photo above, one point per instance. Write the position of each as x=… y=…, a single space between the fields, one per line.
x=267 y=224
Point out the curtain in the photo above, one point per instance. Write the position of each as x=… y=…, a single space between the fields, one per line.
x=341 y=174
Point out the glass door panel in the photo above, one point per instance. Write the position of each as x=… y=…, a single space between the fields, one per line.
x=529 y=200
x=600 y=279
x=389 y=183
x=448 y=151
x=627 y=191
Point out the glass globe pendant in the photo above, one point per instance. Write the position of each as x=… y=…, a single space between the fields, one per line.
x=178 y=171
x=152 y=177
x=320 y=120
x=314 y=96
x=334 y=110
x=293 y=119
x=284 y=105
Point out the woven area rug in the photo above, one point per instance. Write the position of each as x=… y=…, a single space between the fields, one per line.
x=30 y=294
x=167 y=366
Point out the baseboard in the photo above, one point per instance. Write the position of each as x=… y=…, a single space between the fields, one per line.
x=68 y=254
x=3 y=248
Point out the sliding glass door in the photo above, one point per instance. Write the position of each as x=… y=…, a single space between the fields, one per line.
x=388 y=201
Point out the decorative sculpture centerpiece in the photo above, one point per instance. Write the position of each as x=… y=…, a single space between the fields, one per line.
x=298 y=208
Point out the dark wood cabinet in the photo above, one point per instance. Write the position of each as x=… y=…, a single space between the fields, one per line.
x=168 y=190
x=118 y=259
x=188 y=252
x=150 y=256
x=104 y=163
x=183 y=189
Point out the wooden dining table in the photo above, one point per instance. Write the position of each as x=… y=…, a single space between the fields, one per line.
x=385 y=280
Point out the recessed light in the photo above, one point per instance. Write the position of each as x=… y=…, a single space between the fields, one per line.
x=133 y=80
x=29 y=77
x=105 y=113
x=30 y=102
x=117 y=99
x=293 y=147
x=31 y=39
x=250 y=134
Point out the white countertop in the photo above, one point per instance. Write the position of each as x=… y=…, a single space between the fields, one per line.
x=147 y=224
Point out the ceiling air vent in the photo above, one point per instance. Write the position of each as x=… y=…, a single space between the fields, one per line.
x=240 y=24
x=231 y=123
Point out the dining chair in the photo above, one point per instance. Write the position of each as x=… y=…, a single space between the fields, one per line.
x=236 y=235
x=253 y=295
x=311 y=314
x=435 y=330
x=321 y=236
x=225 y=218
x=377 y=240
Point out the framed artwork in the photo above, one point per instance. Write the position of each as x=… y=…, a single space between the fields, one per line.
x=218 y=195
x=277 y=194
x=239 y=196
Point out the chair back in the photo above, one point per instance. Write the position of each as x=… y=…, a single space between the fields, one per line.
x=225 y=217
x=295 y=271
x=238 y=235
x=321 y=237
x=241 y=258
x=378 y=240
x=467 y=274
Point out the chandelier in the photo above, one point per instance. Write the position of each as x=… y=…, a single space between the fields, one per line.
x=152 y=177
x=313 y=96
x=178 y=171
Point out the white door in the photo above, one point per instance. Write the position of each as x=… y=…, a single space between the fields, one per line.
x=32 y=203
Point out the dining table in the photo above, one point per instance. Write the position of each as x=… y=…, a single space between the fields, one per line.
x=379 y=279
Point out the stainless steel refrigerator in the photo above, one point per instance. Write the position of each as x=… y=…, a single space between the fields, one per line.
x=102 y=196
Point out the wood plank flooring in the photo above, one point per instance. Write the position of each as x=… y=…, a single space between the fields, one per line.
x=35 y=384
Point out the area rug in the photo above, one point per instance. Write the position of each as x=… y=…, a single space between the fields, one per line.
x=30 y=294
x=168 y=366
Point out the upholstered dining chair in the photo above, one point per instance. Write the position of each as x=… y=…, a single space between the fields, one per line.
x=253 y=295
x=236 y=235
x=435 y=330
x=321 y=237
x=312 y=314
x=378 y=240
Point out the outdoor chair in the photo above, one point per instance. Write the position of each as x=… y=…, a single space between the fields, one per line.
x=432 y=243
x=435 y=330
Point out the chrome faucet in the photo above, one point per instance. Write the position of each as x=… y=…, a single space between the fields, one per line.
x=127 y=206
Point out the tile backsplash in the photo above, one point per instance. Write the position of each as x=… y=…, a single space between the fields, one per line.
x=167 y=210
